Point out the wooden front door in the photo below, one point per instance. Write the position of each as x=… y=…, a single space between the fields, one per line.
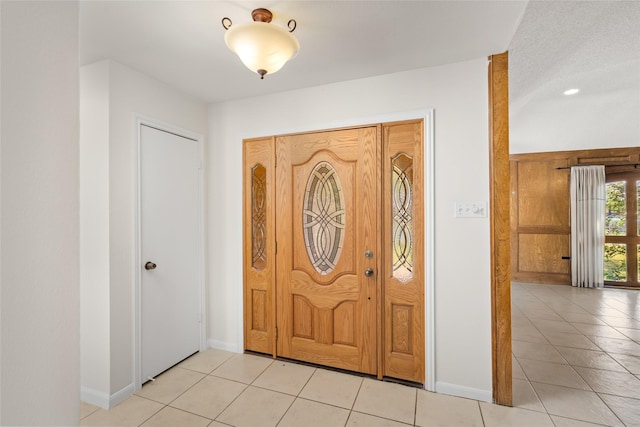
x=333 y=254
x=327 y=221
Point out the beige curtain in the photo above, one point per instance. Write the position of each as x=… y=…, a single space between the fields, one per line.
x=587 y=226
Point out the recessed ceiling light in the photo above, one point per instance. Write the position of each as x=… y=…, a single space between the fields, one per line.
x=571 y=91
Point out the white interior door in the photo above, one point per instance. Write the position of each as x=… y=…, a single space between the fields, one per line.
x=169 y=228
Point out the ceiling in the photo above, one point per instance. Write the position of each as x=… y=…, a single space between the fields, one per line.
x=590 y=45
x=182 y=42
x=553 y=45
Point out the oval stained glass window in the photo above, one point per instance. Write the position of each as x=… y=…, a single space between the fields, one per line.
x=323 y=218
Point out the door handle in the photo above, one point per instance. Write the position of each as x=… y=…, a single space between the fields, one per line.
x=368 y=272
x=149 y=265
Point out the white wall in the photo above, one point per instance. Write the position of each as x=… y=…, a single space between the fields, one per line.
x=94 y=228
x=110 y=177
x=39 y=228
x=1 y=212
x=458 y=93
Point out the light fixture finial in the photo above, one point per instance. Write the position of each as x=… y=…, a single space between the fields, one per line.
x=262 y=15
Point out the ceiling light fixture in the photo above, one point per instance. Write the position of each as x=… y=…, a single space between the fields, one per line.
x=571 y=91
x=263 y=47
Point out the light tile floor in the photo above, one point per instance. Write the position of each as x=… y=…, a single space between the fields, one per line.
x=577 y=354
x=576 y=363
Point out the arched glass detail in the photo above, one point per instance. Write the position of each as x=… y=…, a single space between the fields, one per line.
x=323 y=218
x=259 y=217
x=402 y=217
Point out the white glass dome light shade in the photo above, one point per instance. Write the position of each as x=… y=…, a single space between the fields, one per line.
x=261 y=45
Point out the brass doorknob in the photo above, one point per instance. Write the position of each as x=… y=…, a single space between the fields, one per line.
x=368 y=272
x=149 y=266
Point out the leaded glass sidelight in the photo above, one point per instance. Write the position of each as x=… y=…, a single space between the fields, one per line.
x=323 y=218
x=402 y=217
x=259 y=217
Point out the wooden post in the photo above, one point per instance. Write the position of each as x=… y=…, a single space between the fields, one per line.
x=499 y=175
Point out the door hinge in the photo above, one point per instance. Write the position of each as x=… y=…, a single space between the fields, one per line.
x=276 y=333
x=276 y=248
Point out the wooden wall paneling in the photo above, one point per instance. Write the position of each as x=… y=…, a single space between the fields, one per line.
x=541 y=226
x=513 y=207
x=259 y=245
x=541 y=254
x=500 y=231
x=540 y=214
x=600 y=156
x=543 y=193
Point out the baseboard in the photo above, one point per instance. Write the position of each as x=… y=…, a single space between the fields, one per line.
x=103 y=400
x=94 y=397
x=462 y=391
x=222 y=345
x=121 y=395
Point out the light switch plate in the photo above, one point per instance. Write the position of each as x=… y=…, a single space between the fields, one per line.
x=470 y=209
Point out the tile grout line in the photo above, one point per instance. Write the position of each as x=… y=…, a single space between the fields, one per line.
x=243 y=391
x=415 y=410
x=295 y=397
x=215 y=376
x=168 y=405
x=609 y=407
x=355 y=398
x=568 y=364
x=481 y=413
x=527 y=376
x=602 y=350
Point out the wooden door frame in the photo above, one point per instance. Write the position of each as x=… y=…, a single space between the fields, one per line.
x=631 y=238
x=140 y=120
x=428 y=117
x=499 y=183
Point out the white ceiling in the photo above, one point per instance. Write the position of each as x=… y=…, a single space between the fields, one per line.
x=182 y=42
x=592 y=45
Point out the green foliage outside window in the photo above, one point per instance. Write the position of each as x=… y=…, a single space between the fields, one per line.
x=615 y=254
x=615 y=223
x=615 y=262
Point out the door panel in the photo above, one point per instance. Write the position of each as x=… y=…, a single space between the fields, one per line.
x=327 y=220
x=259 y=246
x=403 y=243
x=169 y=218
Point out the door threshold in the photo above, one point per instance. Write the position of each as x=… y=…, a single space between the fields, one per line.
x=342 y=371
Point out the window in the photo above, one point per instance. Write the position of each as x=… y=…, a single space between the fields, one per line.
x=622 y=241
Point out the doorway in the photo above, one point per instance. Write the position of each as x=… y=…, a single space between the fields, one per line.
x=334 y=249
